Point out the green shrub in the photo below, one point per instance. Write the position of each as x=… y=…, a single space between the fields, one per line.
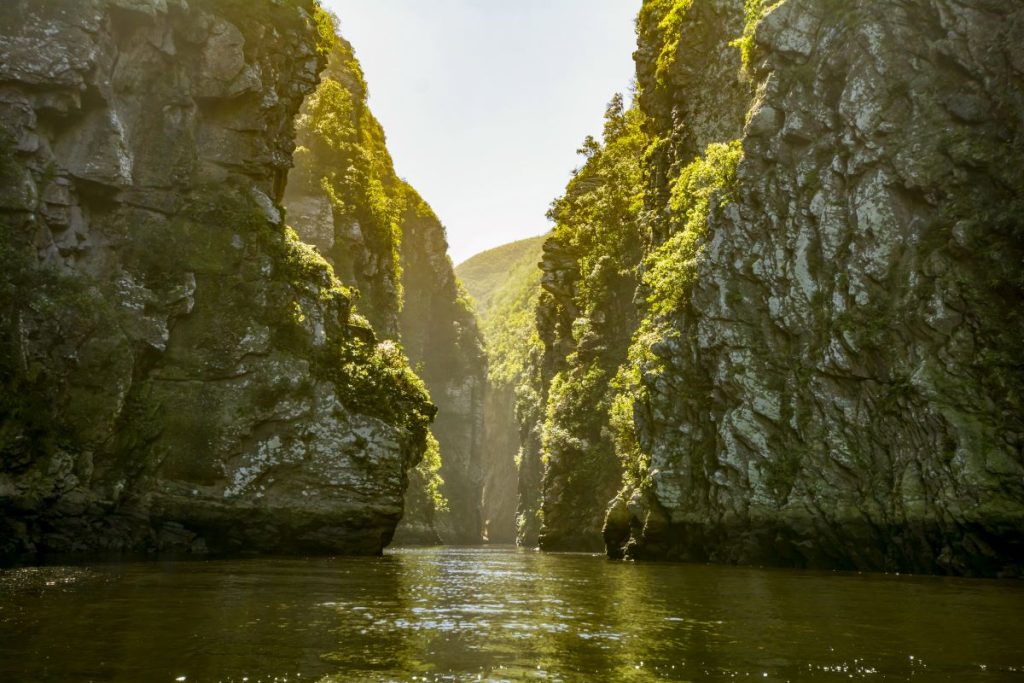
x=670 y=271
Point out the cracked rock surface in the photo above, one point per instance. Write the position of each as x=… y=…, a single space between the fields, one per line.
x=842 y=385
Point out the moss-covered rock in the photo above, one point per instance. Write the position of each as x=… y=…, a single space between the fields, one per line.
x=824 y=377
x=180 y=372
x=386 y=243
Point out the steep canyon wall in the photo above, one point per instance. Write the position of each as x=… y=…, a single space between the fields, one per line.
x=383 y=240
x=179 y=372
x=782 y=301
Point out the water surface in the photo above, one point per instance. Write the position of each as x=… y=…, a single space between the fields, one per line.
x=456 y=614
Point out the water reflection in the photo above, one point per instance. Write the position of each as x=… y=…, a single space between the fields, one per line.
x=497 y=614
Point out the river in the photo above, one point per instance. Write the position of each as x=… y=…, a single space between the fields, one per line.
x=498 y=614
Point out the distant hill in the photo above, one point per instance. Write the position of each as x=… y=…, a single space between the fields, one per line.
x=487 y=272
x=505 y=284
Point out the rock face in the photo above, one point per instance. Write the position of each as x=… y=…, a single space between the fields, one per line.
x=343 y=196
x=809 y=233
x=178 y=371
x=837 y=382
x=383 y=239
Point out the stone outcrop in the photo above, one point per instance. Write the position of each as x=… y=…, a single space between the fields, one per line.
x=839 y=383
x=178 y=371
x=383 y=239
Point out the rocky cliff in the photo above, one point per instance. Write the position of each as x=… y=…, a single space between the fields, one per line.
x=840 y=382
x=789 y=300
x=383 y=239
x=585 y=317
x=179 y=371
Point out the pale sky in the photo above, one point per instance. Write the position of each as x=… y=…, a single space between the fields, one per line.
x=485 y=102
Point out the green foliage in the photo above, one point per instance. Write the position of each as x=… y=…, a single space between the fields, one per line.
x=430 y=468
x=671 y=269
x=375 y=379
x=326 y=33
x=495 y=269
x=627 y=391
x=597 y=217
x=304 y=263
x=508 y=325
x=342 y=153
x=504 y=285
x=595 y=248
x=670 y=272
x=666 y=17
x=578 y=401
x=754 y=11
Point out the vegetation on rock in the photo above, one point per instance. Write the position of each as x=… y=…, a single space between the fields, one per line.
x=754 y=305
x=386 y=243
x=181 y=373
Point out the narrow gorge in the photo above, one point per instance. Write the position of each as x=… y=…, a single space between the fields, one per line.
x=777 y=319
x=744 y=403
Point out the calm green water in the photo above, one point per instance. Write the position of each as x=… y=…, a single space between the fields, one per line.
x=500 y=614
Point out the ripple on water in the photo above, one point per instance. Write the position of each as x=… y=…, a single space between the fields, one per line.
x=458 y=614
